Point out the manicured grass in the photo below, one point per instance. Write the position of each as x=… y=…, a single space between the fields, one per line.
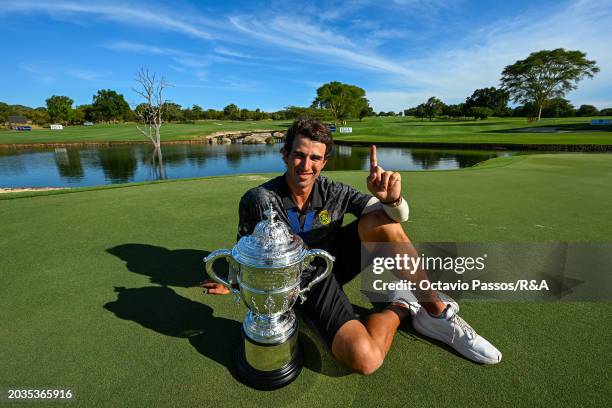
x=490 y=131
x=128 y=132
x=375 y=130
x=98 y=294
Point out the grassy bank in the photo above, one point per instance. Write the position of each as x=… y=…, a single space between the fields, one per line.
x=129 y=133
x=371 y=130
x=491 y=131
x=99 y=294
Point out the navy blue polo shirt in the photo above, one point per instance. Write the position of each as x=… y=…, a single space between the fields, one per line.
x=318 y=223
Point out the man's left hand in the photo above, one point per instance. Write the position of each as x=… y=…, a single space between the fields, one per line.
x=384 y=185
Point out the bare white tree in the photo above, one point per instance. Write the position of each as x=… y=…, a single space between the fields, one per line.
x=150 y=113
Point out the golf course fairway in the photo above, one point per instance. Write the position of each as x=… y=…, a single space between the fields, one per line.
x=99 y=294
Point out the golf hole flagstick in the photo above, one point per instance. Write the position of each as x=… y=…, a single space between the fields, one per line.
x=268 y=267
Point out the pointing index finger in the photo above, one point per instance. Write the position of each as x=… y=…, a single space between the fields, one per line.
x=373 y=161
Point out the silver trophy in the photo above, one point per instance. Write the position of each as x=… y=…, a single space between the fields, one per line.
x=267 y=266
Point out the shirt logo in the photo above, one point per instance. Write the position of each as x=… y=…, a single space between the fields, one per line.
x=324 y=217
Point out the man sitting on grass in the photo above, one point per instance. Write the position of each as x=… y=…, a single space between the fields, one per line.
x=313 y=207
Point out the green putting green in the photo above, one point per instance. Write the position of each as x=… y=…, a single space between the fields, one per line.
x=99 y=294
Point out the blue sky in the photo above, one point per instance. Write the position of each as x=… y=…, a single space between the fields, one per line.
x=270 y=55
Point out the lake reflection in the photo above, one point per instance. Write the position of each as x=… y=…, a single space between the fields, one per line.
x=87 y=166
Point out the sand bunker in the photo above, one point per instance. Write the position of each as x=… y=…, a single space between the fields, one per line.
x=21 y=190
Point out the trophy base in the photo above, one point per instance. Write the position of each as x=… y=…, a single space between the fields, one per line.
x=268 y=379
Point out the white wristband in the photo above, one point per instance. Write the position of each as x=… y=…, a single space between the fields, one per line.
x=397 y=214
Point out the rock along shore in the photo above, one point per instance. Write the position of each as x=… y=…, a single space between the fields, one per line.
x=252 y=137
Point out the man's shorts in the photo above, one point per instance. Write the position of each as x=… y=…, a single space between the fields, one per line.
x=326 y=306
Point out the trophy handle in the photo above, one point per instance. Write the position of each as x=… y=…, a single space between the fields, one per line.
x=329 y=263
x=210 y=260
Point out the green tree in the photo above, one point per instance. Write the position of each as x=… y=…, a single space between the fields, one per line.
x=587 y=110
x=558 y=108
x=246 y=114
x=76 y=117
x=480 y=112
x=40 y=116
x=421 y=111
x=492 y=98
x=59 y=108
x=188 y=114
x=4 y=112
x=605 y=112
x=455 y=111
x=546 y=74
x=258 y=114
x=109 y=106
x=295 y=112
x=197 y=112
x=366 y=111
x=82 y=113
x=433 y=107
x=231 y=111
x=343 y=100
x=172 y=112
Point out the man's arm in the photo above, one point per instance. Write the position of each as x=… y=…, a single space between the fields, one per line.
x=386 y=186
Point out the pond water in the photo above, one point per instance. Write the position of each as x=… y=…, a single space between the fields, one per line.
x=88 y=166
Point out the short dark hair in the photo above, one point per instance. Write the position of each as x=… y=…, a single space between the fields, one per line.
x=312 y=129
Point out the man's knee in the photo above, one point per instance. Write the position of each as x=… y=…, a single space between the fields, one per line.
x=367 y=358
x=376 y=226
x=353 y=347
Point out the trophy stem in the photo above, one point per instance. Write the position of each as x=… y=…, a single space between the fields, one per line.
x=266 y=357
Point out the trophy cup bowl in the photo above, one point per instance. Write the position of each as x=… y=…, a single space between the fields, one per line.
x=267 y=267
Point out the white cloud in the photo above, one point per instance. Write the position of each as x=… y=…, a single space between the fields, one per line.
x=395 y=101
x=37 y=71
x=144 y=48
x=191 y=62
x=233 y=85
x=453 y=74
x=187 y=62
x=200 y=74
x=322 y=46
x=132 y=14
x=48 y=71
x=85 y=74
x=231 y=53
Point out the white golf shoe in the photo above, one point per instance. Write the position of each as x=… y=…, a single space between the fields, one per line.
x=407 y=298
x=451 y=329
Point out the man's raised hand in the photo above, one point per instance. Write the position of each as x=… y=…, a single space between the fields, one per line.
x=384 y=185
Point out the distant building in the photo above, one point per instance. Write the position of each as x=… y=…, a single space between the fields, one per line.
x=17 y=120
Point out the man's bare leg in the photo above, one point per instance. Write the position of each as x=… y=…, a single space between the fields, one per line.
x=364 y=347
x=377 y=227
